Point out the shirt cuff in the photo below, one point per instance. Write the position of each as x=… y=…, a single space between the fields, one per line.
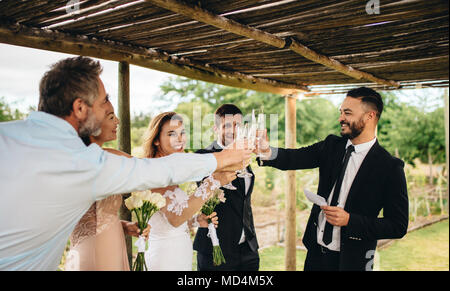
x=211 y=162
x=273 y=155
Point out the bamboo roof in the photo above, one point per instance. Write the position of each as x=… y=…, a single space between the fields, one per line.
x=274 y=46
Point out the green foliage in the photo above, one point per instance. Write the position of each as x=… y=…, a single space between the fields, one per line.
x=140 y=120
x=8 y=114
x=412 y=132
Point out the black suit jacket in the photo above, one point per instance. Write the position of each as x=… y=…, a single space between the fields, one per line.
x=234 y=214
x=379 y=184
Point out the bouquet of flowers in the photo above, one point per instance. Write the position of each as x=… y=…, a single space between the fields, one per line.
x=143 y=204
x=208 y=209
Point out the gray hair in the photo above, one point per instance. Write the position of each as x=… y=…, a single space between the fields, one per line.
x=66 y=81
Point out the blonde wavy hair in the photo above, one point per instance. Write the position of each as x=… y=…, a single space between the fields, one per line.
x=154 y=131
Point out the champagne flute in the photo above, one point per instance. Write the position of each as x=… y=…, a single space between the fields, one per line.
x=261 y=126
x=245 y=133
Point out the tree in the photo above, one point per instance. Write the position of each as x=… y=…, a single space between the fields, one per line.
x=413 y=132
x=6 y=113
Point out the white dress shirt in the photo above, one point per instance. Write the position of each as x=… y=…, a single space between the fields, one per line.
x=49 y=179
x=247 y=181
x=354 y=163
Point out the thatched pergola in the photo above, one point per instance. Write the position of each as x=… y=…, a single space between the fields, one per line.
x=286 y=47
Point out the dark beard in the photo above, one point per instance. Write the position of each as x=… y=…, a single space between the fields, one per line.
x=355 y=129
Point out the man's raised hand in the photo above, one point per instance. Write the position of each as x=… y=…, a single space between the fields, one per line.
x=234 y=157
x=262 y=147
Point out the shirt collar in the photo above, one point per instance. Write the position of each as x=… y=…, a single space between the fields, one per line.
x=221 y=146
x=53 y=121
x=363 y=147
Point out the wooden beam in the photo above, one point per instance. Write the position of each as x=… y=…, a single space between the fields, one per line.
x=202 y=15
x=52 y=40
x=124 y=139
x=291 y=229
x=338 y=66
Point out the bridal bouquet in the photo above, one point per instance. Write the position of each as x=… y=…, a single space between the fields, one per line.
x=143 y=204
x=208 y=209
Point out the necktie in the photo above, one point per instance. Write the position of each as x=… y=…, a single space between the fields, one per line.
x=328 y=233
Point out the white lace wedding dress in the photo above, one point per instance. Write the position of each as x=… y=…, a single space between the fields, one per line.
x=169 y=247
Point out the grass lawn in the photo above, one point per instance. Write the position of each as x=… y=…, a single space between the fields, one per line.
x=272 y=259
x=424 y=249
x=420 y=250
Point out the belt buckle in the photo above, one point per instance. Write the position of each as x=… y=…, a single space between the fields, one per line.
x=323 y=249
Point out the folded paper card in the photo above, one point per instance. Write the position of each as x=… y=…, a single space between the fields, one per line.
x=314 y=198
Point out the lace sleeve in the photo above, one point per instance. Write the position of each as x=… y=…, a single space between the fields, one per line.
x=178 y=201
x=207 y=188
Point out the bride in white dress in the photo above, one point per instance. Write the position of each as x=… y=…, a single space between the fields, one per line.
x=169 y=244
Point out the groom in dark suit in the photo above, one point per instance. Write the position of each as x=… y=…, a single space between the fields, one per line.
x=358 y=178
x=236 y=230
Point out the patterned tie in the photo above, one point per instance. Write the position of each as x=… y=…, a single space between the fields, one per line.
x=328 y=233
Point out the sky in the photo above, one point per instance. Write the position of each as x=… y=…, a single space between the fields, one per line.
x=22 y=68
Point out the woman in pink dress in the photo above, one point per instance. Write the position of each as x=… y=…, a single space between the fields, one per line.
x=98 y=240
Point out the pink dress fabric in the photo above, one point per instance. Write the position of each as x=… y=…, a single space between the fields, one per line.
x=98 y=242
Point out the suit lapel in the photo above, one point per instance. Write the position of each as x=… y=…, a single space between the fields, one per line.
x=214 y=147
x=238 y=183
x=242 y=182
x=336 y=166
x=252 y=180
x=241 y=186
x=367 y=166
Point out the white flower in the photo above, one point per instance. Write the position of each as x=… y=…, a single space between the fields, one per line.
x=133 y=202
x=137 y=194
x=146 y=195
x=157 y=199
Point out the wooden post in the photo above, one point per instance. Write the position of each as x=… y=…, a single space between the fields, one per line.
x=125 y=137
x=291 y=230
x=446 y=142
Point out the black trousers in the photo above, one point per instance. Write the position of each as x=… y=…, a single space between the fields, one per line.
x=319 y=258
x=244 y=259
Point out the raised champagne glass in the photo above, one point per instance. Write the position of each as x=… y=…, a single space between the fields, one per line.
x=245 y=133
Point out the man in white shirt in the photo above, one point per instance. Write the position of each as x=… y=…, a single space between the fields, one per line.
x=358 y=179
x=49 y=178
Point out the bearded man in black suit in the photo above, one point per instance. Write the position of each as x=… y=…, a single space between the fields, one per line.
x=358 y=178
